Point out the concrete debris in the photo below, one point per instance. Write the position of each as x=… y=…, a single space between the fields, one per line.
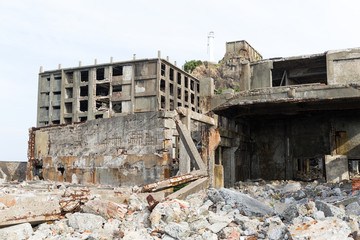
x=252 y=210
x=17 y=232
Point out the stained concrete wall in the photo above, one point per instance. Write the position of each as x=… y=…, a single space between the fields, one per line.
x=343 y=66
x=279 y=142
x=261 y=75
x=128 y=150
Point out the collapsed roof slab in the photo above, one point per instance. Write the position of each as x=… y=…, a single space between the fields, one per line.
x=291 y=100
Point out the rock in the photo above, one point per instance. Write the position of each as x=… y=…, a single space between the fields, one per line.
x=209 y=236
x=135 y=203
x=291 y=187
x=277 y=229
x=214 y=195
x=16 y=232
x=319 y=215
x=168 y=211
x=214 y=218
x=290 y=213
x=217 y=227
x=106 y=209
x=85 y=221
x=249 y=205
x=337 y=191
x=353 y=209
x=307 y=209
x=251 y=226
x=199 y=224
x=178 y=230
x=329 y=210
x=329 y=229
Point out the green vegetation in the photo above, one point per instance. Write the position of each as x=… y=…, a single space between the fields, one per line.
x=178 y=187
x=191 y=65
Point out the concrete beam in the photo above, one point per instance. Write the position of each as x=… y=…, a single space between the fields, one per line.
x=185 y=137
x=196 y=116
x=173 y=181
x=193 y=187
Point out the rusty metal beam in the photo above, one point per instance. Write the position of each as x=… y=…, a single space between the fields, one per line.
x=173 y=181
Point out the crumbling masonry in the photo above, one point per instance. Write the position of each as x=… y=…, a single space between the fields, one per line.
x=142 y=121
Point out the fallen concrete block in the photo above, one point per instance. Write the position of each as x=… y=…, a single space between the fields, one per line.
x=29 y=208
x=106 y=209
x=250 y=206
x=17 y=232
x=85 y=221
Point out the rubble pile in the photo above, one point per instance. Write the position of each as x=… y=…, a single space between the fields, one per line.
x=250 y=210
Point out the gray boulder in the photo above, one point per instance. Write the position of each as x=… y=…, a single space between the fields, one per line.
x=329 y=210
x=249 y=205
x=214 y=195
x=353 y=209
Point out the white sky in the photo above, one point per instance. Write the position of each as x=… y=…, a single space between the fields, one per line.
x=45 y=33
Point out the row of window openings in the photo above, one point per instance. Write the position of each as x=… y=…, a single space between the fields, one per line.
x=171 y=77
x=192 y=84
x=100 y=74
x=171 y=104
x=101 y=90
x=100 y=105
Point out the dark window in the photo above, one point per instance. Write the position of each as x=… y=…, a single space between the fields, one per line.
x=83 y=91
x=100 y=73
x=162 y=85
x=84 y=76
x=117 y=71
x=83 y=106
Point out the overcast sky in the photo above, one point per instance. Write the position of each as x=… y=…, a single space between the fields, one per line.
x=46 y=33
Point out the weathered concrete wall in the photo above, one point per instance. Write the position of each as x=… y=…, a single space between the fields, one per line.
x=128 y=150
x=343 y=66
x=12 y=171
x=261 y=75
x=279 y=142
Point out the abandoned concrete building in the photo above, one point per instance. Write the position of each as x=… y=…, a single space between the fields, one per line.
x=141 y=121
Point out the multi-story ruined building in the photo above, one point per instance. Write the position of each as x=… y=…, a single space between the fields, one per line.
x=145 y=120
x=115 y=89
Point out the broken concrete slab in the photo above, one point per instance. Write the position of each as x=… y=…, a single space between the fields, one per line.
x=106 y=209
x=337 y=168
x=38 y=208
x=249 y=205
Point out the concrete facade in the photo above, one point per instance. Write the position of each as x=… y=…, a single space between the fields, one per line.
x=115 y=89
x=142 y=121
x=297 y=111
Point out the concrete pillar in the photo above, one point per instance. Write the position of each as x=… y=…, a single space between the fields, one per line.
x=159 y=54
x=229 y=166
x=95 y=61
x=79 y=63
x=134 y=56
x=59 y=66
x=41 y=69
x=91 y=95
x=355 y=166
x=111 y=59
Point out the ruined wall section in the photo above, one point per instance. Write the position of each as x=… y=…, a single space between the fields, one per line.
x=128 y=150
